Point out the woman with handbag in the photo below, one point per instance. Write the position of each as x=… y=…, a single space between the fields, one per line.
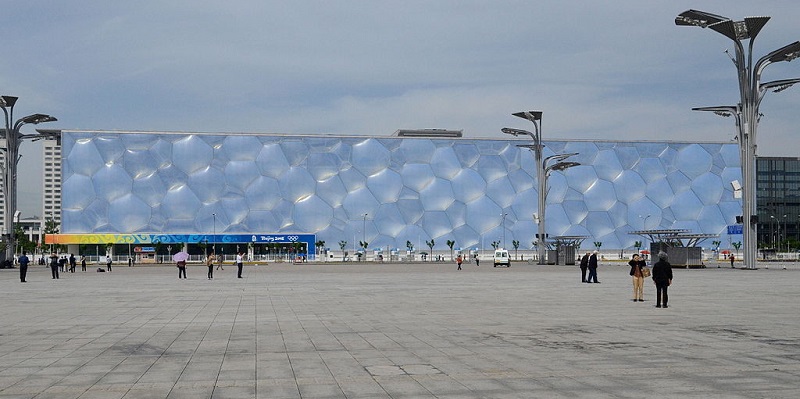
x=638 y=271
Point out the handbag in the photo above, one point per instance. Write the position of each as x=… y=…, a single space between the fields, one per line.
x=645 y=271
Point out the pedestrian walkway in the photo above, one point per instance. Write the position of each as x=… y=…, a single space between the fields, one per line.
x=397 y=331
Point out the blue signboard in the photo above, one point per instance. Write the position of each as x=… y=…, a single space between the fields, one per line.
x=735 y=229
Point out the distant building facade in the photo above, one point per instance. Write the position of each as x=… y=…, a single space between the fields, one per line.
x=778 y=199
x=388 y=191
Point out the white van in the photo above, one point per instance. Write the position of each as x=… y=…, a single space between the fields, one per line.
x=501 y=258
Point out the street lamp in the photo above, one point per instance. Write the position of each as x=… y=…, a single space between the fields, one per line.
x=543 y=170
x=13 y=138
x=214 y=236
x=751 y=92
x=503 y=215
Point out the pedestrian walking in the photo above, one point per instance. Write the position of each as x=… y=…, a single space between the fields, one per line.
x=662 y=277
x=239 y=264
x=72 y=263
x=584 y=266
x=637 y=273
x=181 y=268
x=83 y=263
x=62 y=263
x=130 y=262
x=592 y=268
x=108 y=262
x=732 y=258
x=458 y=262
x=477 y=261
x=23 y=266
x=54 y=265
x=210 y=263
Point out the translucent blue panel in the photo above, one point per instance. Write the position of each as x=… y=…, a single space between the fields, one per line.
x=272 y=161
x=84 y=158
x=129 y=213
x=437 y=196
x=263 y=194
x=297 y=184
x=149 y=189
x=139 y=163
x=445 y=163
x=81 y=188
x=628 y=156
x=415 y=151
x=468 y=185
x=239 y=175
x=191 y=154
x=694 y=160
x=599 y=224
x=629 y=186
x=323 y=166
x=607 y=165
x=660 y=192
x=208 y=184
x=417 y=176
x=385 y=186
x=112 y=182
x=312 y=214
x=359 y=202
x=332 y=191
x=181 y=203
x=491 y=167
x=686 y=206
x=388 y=220
x=240 y=147
x=501 y=192
x=582 y=177
x=295 y=151
x=708 y=188
x=370 y=157
x=650 y=169
x=601 y=196
x=410 y=188
x=483 y=214
x=711 y=220
x=436 y=224
x=525 y=204
x=457 y=212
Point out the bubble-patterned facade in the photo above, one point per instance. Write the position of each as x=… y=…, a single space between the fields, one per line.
x=410 y=189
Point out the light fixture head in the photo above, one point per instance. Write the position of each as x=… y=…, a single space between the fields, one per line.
x=529 y=115
x=8 y=101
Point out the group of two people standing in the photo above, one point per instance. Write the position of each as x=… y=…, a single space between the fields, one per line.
x=662 y=277
x=589 y=261
x=661 y=273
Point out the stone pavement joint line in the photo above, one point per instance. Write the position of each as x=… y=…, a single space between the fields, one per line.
x=397 y=331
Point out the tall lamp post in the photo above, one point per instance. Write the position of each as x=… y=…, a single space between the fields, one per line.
x=751 y=92
x=543 y=170
x=214 y=236
x=12 y=139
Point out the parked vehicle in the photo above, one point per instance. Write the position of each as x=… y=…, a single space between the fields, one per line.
x=501 y=258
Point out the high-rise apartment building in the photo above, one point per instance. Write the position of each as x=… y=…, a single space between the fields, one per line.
x=51 y=180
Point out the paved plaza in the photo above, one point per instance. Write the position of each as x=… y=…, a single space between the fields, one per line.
x=398 y=331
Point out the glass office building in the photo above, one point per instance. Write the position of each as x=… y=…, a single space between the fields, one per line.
x=778 y=196
x=388 y=191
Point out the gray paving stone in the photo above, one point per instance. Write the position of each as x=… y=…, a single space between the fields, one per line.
x=397 y=331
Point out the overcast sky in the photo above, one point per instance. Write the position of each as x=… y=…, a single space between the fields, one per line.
x=598 y=69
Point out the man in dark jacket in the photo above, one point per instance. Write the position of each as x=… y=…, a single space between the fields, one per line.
x=662 y=276
x=593 y=268
x=584 y=266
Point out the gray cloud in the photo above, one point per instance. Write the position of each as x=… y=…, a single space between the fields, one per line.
x=611 y=70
